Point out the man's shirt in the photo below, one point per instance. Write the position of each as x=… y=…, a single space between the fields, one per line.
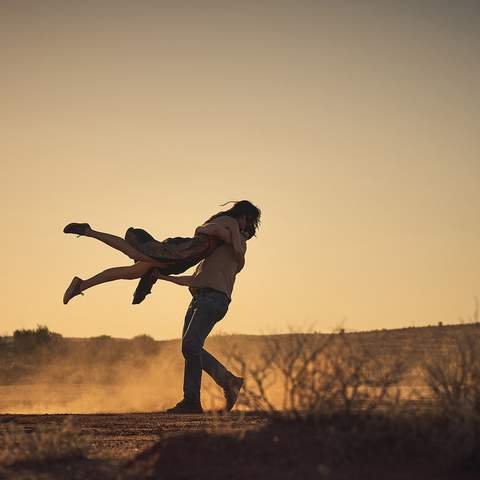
x=220 y=268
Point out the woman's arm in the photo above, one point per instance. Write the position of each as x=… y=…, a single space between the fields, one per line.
x=183 y=280
x=229 y=233
x=215 y=230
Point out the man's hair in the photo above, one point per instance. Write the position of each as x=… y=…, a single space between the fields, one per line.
x=242 y=207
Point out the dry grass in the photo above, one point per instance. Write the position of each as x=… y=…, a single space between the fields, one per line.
x=45 y=444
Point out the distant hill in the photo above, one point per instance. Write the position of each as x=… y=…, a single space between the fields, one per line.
x=32 y=356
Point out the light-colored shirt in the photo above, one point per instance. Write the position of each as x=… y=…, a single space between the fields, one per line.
x=220 y=268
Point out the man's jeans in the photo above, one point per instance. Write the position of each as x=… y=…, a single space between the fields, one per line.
x=205 y=310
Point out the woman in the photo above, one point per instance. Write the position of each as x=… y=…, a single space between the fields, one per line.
x=171 y=256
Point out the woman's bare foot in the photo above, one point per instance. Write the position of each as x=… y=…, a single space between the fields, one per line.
x=74 y=289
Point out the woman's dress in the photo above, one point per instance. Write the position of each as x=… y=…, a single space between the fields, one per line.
x=178 y=254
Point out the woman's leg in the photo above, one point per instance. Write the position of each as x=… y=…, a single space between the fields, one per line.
x=118 y=273
x=119 y=244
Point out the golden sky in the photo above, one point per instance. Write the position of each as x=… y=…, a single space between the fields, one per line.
x=354 y=126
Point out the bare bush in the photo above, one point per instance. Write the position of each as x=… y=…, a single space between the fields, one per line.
x=453 y=374
x=312 y=372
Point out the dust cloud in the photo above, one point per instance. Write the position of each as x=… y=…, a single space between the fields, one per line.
x=125 y=387
x=101 y=375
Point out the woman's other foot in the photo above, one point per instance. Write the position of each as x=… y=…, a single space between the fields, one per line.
x=73 y=290
x=77 y=228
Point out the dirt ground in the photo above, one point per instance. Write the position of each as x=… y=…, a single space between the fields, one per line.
x=157 y=445
x=122 y=436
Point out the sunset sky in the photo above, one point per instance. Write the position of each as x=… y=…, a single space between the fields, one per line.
x=353 y=125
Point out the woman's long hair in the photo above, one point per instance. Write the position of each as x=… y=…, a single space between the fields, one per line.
x=242 y=207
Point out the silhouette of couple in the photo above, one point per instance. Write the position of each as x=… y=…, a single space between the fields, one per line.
x=218 y=247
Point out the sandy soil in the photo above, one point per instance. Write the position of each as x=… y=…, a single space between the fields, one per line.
x=158 y=445
x=122 y=436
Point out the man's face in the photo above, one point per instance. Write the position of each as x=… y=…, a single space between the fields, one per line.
x=242 y=221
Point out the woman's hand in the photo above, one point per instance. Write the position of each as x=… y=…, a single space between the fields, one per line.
x=183 y=280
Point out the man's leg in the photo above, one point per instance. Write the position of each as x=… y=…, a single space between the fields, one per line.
x=203 y=314
x=216 y=370
x=227 y=380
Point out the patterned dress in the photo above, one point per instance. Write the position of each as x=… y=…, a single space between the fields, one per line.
x=178 y=254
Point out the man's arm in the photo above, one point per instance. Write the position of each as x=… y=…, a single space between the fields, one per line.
x=235 y=239
x=183 y=280
x=240 y=256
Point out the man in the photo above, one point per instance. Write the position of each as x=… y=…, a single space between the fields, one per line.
x=211 y=286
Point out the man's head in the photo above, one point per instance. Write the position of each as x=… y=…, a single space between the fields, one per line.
x=246 y=214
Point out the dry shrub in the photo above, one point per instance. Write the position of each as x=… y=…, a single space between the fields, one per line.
x=47 y=443
x=311 y=372
x=453 y=374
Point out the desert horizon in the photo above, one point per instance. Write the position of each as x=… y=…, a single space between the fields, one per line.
x=113 y=375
